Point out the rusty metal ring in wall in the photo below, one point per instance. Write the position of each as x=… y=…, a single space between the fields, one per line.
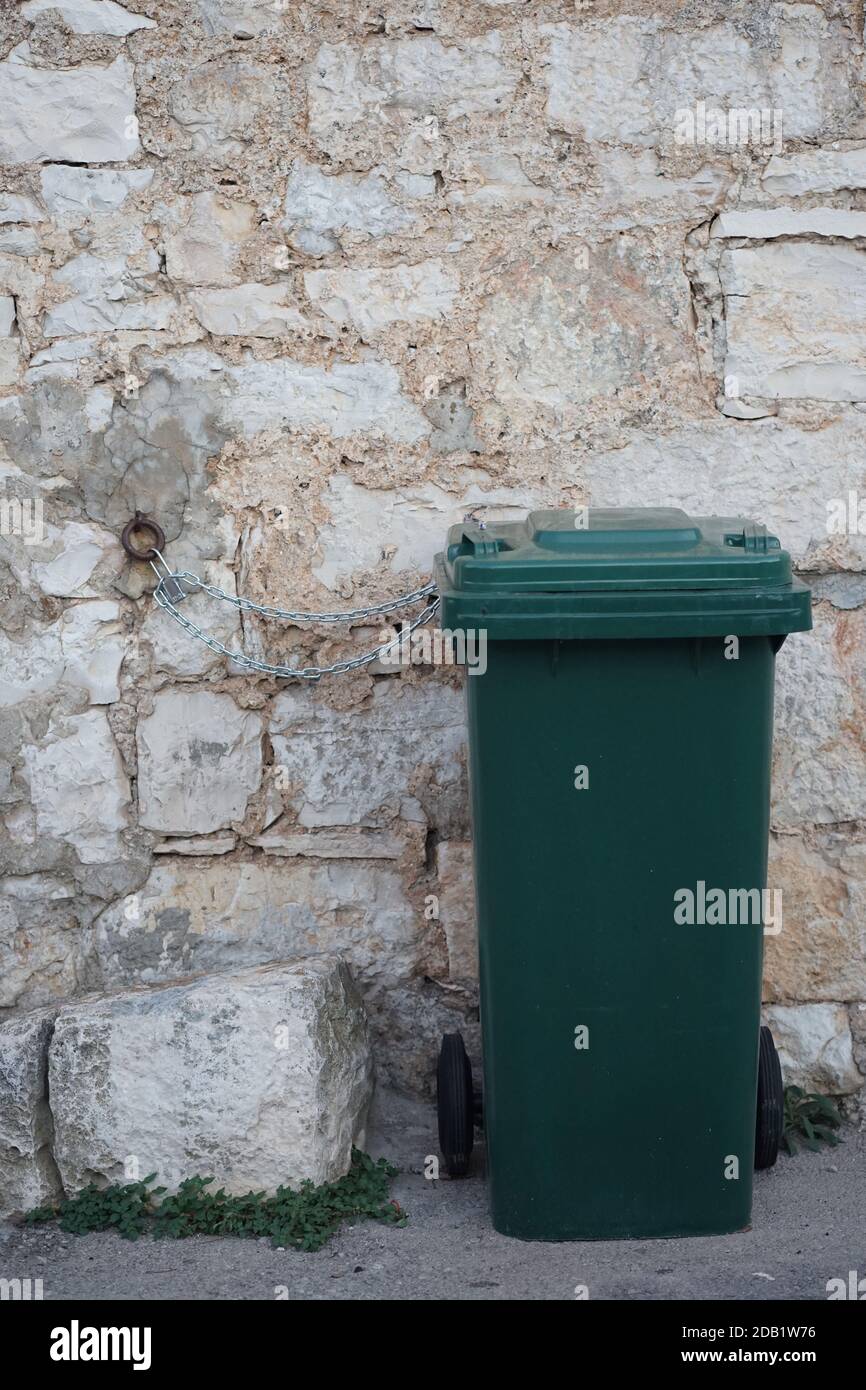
x=152 y=528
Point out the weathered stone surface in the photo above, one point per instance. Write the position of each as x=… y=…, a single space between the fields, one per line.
x=219 y=104
x=7 y=315
x=183 y=922
x=555 y=337
x=199 y=761
x=243 y=19
x=211 y=230
x=456 y=893
x=636 y=189
x=19 y=241
x=819 y=770
x=63 y=358
x=340 y=844
x=844 y=591
x=78 y=787
x=408 y=525
x=75 y=194
x=496 y=180
x=820 y=953
x=84 y=114
x=173 y=652
x=794 y=312
x=91 y=16
x=92 y=646
x=83 y=648
x=815 y=171
x=595 y=80
x=370 y=300
x=453 y=420
x=40 y=938
x=28 y=667
x=157 y=442
x=787 y=478
x=256 y=311
x=766 y=223
x=74 y=553
x=225 y=915
x=814 y=1045
x=107 y=295
x=17 y=207
x=621 y=80
x=199 y=844
x=347 y=398
x=10 y=362
x=320 y=207
x=333 y=764
x=18 y=236
x=28 y=1174
x=260 y=1079
x=349 y=84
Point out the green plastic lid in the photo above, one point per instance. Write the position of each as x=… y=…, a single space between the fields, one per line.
x=619 y=572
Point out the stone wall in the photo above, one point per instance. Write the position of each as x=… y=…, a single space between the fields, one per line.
x=307 y=281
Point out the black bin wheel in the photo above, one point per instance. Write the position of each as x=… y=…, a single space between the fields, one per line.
x=455 y=1103
x=770 y=1116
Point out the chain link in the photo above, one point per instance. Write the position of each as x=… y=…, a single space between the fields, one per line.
x=168 y=602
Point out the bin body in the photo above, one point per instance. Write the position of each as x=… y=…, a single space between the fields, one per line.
x=611 y=776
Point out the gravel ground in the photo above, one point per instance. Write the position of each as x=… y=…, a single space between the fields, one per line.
x=809 y=1225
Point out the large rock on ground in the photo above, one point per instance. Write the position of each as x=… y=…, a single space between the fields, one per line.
x=28 y=1174
x=259 y=1079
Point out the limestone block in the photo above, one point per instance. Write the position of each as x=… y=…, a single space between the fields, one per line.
x=331 y=760
x=765 y=223
x=819 y=771
x=259 y=1079
x=78 y=786
x=814 y=1045
x=456 y=893
x=350 y=83
x=199 y=761
x=319 y=207
x=83 y=115
x=74 y=194
x=255 y=311
x=794 y=312
x=815 y=171
x=219 y=105
x=203 y=247
x=820 y=953
x=371 y=300
x=786 y=478
x=227 y=915
x=28 y=1174
x=91 y=16
x=84 y=648
x=621 y=80
x=39 y=937
x=243 y=19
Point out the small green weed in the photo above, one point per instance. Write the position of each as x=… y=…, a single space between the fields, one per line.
x=305 y=1219
x=810 y=1120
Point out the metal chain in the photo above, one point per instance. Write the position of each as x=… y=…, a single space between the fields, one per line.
x=313 y=673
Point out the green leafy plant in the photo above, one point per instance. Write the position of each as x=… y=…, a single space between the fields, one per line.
x=304 y=1219
x=125 y=1209
x=810 y=1120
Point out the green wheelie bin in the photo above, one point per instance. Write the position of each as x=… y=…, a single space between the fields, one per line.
x=620 y=740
